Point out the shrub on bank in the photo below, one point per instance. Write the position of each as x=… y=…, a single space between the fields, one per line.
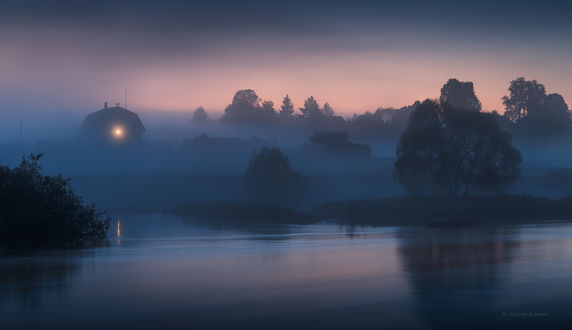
x=38 y=210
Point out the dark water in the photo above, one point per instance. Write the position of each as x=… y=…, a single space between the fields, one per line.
x=165 y=273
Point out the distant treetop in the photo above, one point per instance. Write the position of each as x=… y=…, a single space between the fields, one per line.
x=247 y=97
x=328 y=110
x=200 y=115
x=459 y=95
x=287 y=107
x=532 y=109
x=311 y=108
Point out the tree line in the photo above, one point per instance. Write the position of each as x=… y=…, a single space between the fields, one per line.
x=529 y=109
x=449 y=146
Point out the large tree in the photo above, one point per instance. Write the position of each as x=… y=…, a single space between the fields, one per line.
x=455 y=152
x=459 y=95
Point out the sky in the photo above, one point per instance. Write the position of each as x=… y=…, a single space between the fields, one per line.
x=71 y=56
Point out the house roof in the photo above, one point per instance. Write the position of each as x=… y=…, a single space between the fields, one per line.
x=111 y=116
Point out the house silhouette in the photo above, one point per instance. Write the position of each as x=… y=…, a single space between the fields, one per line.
x=112 y=125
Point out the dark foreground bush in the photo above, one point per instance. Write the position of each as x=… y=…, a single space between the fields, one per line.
x=37 y=210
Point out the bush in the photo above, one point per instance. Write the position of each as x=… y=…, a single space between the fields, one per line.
x=37 y=210
x=270 y=178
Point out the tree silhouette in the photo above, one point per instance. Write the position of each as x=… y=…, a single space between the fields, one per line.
x=287 y=107
x=269 y=176
x=552 y=118
x=328 y=110
x=528 y=105
x=311 y=109
x=247 y=97
x=368 y=122
x=200 y=115
x=455 y=152
x=459 y=95
x=267 y=108
x=243 y=107
x=524 y=96
x=555 y=104
x=43 y=211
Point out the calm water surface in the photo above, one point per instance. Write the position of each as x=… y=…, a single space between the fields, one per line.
x=166 y=273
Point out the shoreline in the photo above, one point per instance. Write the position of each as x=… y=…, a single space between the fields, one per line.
x=432 y=211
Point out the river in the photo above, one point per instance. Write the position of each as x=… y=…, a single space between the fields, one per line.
x=164 y=272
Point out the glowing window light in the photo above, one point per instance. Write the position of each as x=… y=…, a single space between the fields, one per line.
x=118 y=132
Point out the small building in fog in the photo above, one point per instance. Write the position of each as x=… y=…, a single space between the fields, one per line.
x=112 y=125
x=336 y=145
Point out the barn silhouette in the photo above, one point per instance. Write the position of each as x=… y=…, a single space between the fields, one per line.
x=112 y=125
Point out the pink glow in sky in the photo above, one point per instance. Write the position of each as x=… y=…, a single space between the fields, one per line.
x=352 y=82
x=355 y=67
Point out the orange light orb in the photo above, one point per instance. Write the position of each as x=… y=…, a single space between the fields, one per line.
x=118 y=132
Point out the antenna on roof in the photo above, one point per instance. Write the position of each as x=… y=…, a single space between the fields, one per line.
x=125 y=97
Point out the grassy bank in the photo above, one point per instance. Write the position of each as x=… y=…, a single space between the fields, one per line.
x=436 y=210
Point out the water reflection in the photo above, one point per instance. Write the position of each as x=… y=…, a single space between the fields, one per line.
x=454 y=272
x=353 y=231
x=28 y=280
x=172 y=273
x=258 y=231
